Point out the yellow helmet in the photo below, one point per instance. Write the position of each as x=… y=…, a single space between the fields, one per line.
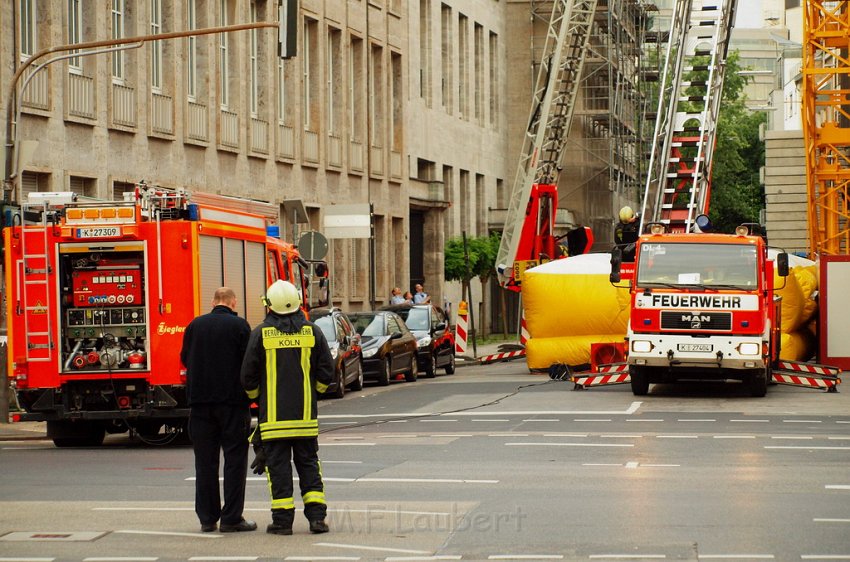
x=282 y=297
x=626 y=214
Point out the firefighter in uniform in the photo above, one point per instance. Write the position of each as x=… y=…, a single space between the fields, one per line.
x=626 y=233
x=287 y=363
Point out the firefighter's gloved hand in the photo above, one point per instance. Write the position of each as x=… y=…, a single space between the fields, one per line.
x=259 y=464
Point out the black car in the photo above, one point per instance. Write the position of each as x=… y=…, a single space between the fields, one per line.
x=344 y=342
x=435 y=341
x=389 y=348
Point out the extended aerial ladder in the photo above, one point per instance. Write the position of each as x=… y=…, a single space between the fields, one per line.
x=678 y=183
x=528 y=234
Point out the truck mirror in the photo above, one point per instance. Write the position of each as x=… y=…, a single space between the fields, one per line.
x=782 y=264
x=616 y=262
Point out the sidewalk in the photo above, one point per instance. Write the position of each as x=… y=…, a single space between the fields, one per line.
x=23 y=431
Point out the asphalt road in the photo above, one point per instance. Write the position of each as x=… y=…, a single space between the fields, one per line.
x=491 y=463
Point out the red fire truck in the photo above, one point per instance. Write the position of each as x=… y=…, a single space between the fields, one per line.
x=99 y=294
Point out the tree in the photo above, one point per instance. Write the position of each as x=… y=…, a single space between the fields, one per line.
x=482 y=258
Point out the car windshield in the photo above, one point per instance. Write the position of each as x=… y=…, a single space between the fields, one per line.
x=698 y=264
x=327 y=326
x=417 y=319
x=369 y=325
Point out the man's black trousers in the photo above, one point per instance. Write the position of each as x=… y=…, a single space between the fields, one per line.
x=213 y=428
x=280 y=453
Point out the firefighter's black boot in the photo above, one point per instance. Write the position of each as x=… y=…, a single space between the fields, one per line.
x=317 y=527
x=277 y=529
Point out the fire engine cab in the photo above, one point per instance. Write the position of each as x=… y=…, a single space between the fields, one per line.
x=100 y=293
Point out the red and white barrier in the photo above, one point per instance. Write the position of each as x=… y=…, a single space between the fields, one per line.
x=461 y=332
x=810 y=368
x=829 y=383
x=506 y=356
x=615 y=373
x=523 y=330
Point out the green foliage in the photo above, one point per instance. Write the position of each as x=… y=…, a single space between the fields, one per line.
x=482 y=257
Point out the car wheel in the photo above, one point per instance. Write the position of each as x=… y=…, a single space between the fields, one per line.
x=450 y=366
x=431 y=368
x=413 y=373
x=386 y=371
x=340 y=384
x=358 y=382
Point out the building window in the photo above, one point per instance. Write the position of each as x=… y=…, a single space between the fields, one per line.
x=396 y=101
x=156 y=46
x=75 y=32
x=282 y=110
x=376 y=95
x=462 y=65
x=334 y=86
x=83 y=187
x=118 y=33
x=446 y=56
x=480 y=199
x=119 y=188
x=223 y=58
x=356 y=88
x=465 y=200
x=425 y=51
x=29 y=38
x=311 y=74
x=494 y=78
x=32 y=182
x=192 y=51
x=478 y=86
x=254 y=62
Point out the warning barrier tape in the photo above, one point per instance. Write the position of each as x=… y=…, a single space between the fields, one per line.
x=811 y=368
x=506 y=356
x=599 y=380
x=798 y=380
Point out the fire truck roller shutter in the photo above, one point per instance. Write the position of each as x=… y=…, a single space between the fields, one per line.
x=569 y=305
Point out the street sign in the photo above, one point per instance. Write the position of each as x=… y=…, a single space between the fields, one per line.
x=348 y=221
x=313 y=246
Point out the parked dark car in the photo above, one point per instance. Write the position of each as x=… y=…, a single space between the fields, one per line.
x=389 y=348
x=344 y=342
x=435 y=341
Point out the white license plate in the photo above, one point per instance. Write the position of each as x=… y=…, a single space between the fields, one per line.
x=695 y=347
x=99 y=232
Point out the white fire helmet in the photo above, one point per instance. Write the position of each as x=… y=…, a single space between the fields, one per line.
x=626 y=214
x=282 y=297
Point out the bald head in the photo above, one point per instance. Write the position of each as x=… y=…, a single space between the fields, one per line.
x=225 y=296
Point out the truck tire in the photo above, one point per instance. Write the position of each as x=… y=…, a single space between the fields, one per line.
x=76 y=434
x=757 y=381
x=640 y=381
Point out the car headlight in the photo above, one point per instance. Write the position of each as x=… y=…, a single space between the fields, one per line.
x=749 y=348
x=370 y=352
x=424 y=342
x=641 y=346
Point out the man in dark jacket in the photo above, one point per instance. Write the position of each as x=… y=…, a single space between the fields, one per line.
x=287 y=363
x=220 y=418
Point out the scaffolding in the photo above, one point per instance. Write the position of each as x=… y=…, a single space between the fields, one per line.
x=605 y=152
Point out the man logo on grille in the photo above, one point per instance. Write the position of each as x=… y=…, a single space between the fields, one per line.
x=696 y=320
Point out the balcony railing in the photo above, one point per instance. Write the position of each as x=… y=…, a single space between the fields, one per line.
x=259 y=135
x=285 y=141
x=311 y=147
x=197 y=122
x=334 y=150
x=37 y=94
x=395 y=164
x=80 y=96
x=123 y=105
x=376 y=160
x=355 y=155
x=228 y=128
x=162 y=114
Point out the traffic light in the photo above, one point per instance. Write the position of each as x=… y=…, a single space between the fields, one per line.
x=287 y=35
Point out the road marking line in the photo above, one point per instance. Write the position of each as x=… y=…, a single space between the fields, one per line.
x=661 y=465
x=825 y=557
x=600 y=464
x=507 y=435
x=430 y=420
x=627 y=412
x=794 y=437
x=631 y=464
x=839 y=438
x=310 y=558
x=121 y=559
x=565 y=435
x=397 y=436
x=362 y=444
x=734 y=436
x=627 y=556
x=353 y=438
x=491 y=420
x=750 y=421
x=621 y=436
x=541 y=420
x=841 y=421
x=525 y=557
x=144 y=509
x=645 y=420
x=198 y=535
x=837 y=486
x=452 y=435
x=571 y=444
x=808 y=448
x=591 y=420
x=27 y=559
x=428 y=480
x=801 y=421
x=677 y=436
x=697 y=420
x=736 y=557
x=323 y=422
x=405 y=558
x=825 y=520
x=224 y=558
x=397 y=421
x=375 y=548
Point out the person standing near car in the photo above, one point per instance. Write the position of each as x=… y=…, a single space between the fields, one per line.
x=395 y=297
x=287 y=364
x=219 y=415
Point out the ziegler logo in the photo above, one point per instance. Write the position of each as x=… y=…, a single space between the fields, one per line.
x=163 y=329
x=696 y=320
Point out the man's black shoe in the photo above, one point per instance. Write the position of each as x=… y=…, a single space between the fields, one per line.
x=208 y=527
x=276 y=529
x=317 y=527
x=240 y=527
